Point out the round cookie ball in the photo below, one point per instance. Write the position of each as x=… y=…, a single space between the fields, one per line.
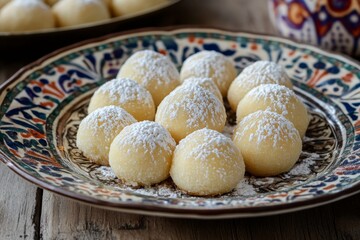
x=75 y=12
x=205 y=83
x=261 y=72
x=210 y=64
x=26 y=15
x=125 y=93
x=269 y=143
x=97 y=131
x=142 y=153
x=124 y=7
x=190 y=108
x=275 y=98
x=153 y=71
x=207 y=163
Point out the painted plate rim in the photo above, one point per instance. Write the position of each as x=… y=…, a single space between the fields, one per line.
x=178 y=211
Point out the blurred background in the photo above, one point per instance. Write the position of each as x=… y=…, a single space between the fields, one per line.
x=29 y=31
x=226 y=14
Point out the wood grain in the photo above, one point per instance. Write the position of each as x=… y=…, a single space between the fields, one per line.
x=27 y=212
x=19 y=218
x=66 y=219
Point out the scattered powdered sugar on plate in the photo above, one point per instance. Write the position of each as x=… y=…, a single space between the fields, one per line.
x=303 y=167
x=244 y=188
x=106 y=172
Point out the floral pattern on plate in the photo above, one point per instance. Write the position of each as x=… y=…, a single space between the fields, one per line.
x=42 y=105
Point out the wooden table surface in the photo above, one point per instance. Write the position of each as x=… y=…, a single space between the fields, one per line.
x=28 y=212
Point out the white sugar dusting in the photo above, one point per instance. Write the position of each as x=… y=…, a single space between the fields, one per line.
x=267 y=69
x=268 y=126
x=147 y=135
x=106 y=172
x=152 y=66
x=209 y=146
x=105 y=118
x=210 y=138
x=279 y=96
x=207 y=64
x=244 y=188
x=201 y=106
x=204 y=82
x=303 y=167
x=124 y=90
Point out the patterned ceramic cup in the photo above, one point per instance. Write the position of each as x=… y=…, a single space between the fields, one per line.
x=331 y=24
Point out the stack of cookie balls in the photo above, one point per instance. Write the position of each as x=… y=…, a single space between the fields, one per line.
x=32 y=15
x=152 y=122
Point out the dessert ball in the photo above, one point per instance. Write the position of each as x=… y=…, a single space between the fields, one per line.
x=123 y=7
x=205 y=83
x=275 y=98
x=26 y=15
x=97 y=131
x=75 y=12
x=212 y=65
x=261 y=72
x=153 y=71
x=142 y=153
x=190 y=108
x=269 y=143
x=207 y=163
x=125 y=93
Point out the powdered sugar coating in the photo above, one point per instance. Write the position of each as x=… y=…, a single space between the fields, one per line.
x=127 y=94
x=210 y=64
x=269 y=143
x=203 y=147
x=147 y=135
x=261 y=72
x=141 y=154
x=189 y=108
x=275 y=98
x=269 y=69
x=151 y=66
x=279 y=97
x=153 y=71
x=206 y=83
x=267 y=126
x=98 y=129
x=207 y=163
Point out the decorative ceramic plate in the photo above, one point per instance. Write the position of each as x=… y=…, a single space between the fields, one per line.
x=42 y=105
